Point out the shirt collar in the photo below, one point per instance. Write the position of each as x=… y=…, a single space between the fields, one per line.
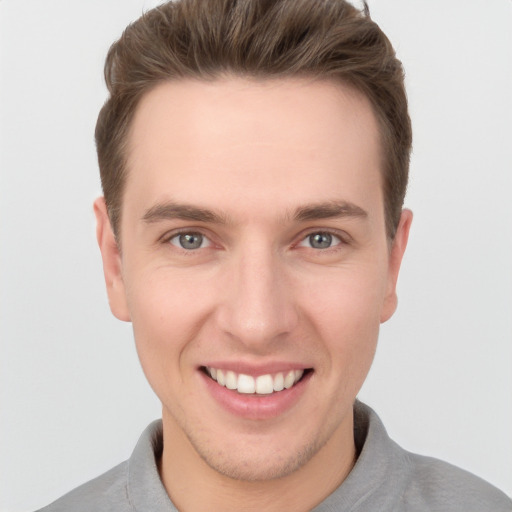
x=375 y=466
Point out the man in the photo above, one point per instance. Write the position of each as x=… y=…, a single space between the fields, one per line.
x=254 y=159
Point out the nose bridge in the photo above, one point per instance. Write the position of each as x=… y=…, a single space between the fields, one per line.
x=259 y=305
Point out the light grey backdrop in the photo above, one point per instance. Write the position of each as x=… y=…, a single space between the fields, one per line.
x=73 y=398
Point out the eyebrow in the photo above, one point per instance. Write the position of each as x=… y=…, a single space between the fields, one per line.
x=171 y=210
x=328 y=210
x=316 y=211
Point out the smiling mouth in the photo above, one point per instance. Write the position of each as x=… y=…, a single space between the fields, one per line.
x=261 y=385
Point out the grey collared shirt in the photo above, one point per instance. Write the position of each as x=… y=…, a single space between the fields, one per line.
x=385 y=478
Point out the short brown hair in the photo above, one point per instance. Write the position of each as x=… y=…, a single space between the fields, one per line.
x=206 y=39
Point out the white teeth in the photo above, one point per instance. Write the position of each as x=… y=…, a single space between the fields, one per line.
x=231 y=380
x=279 y=382
x=289 y=379
x=264 y=385
x=246 y=384
x=261 y=385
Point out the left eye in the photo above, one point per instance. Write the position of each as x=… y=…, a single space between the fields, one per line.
x=189 y=241
x=320 y=240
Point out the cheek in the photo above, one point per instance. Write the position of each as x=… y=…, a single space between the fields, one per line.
x=345 y=311
x=164 y=300
x=166 y=314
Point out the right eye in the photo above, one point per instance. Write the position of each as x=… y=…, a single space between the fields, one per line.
x=190 y=241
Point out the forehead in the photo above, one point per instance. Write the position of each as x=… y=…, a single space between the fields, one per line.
x=282 y=141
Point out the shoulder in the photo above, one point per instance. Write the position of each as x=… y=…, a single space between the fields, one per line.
x=437 y=485
x=132 y=485
x=108 y=493
x=388 y=478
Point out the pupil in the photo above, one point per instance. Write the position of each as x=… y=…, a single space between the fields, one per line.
x=320 y=240
x=191 y=240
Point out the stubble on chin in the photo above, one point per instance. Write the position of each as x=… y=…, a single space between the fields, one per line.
x=251 y=465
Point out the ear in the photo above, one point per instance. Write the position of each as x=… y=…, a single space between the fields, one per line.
x=112 y=265
x=398 y=246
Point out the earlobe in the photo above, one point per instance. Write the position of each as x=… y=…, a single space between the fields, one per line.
x=112 y=267
x=395 y=259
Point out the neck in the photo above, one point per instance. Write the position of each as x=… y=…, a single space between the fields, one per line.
x=194 y=486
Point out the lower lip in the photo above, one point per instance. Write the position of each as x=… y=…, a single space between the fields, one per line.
x=253 y=406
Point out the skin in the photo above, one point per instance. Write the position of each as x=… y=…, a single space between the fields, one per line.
x=260 y=156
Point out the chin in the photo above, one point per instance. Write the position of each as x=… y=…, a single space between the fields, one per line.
x=254 y=464
x=259 y=469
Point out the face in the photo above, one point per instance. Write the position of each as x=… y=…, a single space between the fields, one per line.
x=255 y=266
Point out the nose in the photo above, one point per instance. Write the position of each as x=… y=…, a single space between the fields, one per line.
x=258 y=306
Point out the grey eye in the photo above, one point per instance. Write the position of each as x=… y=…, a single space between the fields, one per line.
x=189 y=241
x=320 y=240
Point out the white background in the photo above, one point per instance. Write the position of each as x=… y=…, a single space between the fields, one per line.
x=73 y=399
